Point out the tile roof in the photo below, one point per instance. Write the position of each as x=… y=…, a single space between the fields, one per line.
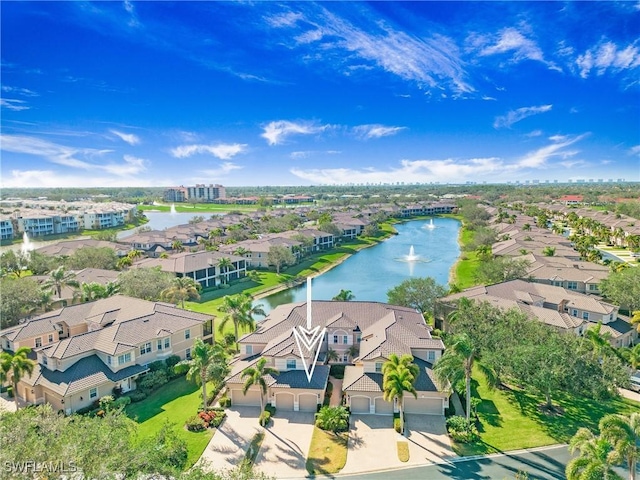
x=356 y=379
x=186 y=262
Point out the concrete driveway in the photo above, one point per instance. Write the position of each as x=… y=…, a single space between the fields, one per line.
x=230 y=442
x=286 y=445
x=428 y=439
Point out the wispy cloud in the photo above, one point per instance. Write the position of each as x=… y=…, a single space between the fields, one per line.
x=224 y=169
x=25 y=92
x=14 y=104
x=276 y=132
x=508 y=40
x=608 y=57
x=298 y=155
x=72 y=157
x=635 y=150
x=505 y=121
x=448 y=170
x=130 y=138
x=53 y=179
x=288 y=19
x=375 y=131
x=428 y=61
x=223 y=151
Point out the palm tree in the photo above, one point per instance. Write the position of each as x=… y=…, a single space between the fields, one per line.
x=623 y=432
x=399 y=378
x=256 y=376
x=177 y=246
x=15 y=366
x=332 y=355
x=334 y=419
x=344 y=296
x=353 y=351
x=181 y=289
x=596 y=460
x=240 y=251
x=60 y=278
x=632 y=355
x=240 y=310
x=134 y=254
x=635 y=320
x=598 y=340
x=224 y=264
x=124 y=262
x=203 y=357
x=457 y=363
x=484 y=252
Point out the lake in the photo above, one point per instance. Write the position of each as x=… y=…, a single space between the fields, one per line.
x=162 y=220
x=371 y=272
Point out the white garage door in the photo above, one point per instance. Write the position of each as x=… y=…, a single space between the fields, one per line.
x=383 y=407
x=252 y=398
x=427 y=406
x=307 y=402
x=284 y=402
x=359 y=405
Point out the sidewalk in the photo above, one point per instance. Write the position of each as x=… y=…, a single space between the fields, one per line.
x=336 y=394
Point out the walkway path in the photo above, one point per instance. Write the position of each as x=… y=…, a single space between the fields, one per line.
x=336 y=394
x=6 y=404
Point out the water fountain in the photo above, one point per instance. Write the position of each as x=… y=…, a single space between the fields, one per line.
x=173 y=209
x=412 y=257
x=27 y=245
x=430 y=226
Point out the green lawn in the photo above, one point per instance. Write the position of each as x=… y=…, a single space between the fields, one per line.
x=175 y=402
x=327 y=452
x=466 y=267
x=511 y=419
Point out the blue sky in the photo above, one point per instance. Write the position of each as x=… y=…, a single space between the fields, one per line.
x=302 y=93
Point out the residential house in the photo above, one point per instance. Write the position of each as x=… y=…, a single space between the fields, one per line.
x=377 y=330
x=258 y=250
x=66 y=248
x=84 y=351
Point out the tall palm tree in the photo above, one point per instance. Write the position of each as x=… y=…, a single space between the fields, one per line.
x=240 y=310
x=332 y=355
x=623 y=432
x=598 y=340
x=181 y=289
x=60 y=278
x=240 y=251
x=353 y=351
x=14 y=367
x=256 y=376
x=457 y=364
x=224 y=264
x=344 y=296
x=596 y=460
x=135 y=254
x=177 y=246
x=123 y=263
x=632 y=356
x=399 y=378
x=203 y=356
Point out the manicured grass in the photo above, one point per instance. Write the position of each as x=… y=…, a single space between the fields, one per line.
x=327 y=453
x=512 y=419
x=403 y=451
x=465 y=269
x=175 y=402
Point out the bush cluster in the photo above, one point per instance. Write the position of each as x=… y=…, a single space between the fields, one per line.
x=137 y=395
x=337 y=371
x=461 y=429
x=212 y=418
x=265 y=418
x=195 y=424
x=152 y=380
x=225 y=401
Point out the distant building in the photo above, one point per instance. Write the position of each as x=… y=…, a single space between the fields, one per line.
x=175 y=194
x=198 y=193
x=572 y=199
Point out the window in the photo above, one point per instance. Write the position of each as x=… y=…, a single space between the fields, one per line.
x=359 y=339
x=249 y=349
x=109 y=360
x=187 y=353
x=45 y=361
x=167 y=343
x=38 y=342
x=291 y=364
x=50 y=337
x=159 y=345
x=335 y=339
x=122 y=359
x=187 y=334
x=585 y=315
x=431 y=355
x=574 y=312
x=593 y=287
x=345 y=357
x=572 y=285
x=93 y=393
x=345 y=339
x=378 y=367
x=146 y=348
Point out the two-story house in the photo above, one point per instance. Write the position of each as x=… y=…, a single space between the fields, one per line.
x=377 y=330
x=85 y=351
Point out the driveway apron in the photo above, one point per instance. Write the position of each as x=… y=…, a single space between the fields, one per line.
x=428 y=439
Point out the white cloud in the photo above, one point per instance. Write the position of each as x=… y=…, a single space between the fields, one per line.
x=288 y=19
x=130 y=138
x=534 y=133
x=25 y=92
x=426 y=61
x=52 y=179
x=131 y=166
x=375 y=131
x=635 y=150
x=447 y=170
x=223 y=151
x=224 y=169
x=276 y=132
x=14 y=104
x=608 y=56
x=509 y=40
x=505 y=121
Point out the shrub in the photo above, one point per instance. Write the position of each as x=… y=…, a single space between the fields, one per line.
x=195 y=424
x=265 y=418
x=121 y=402
x=171 y=361
x=137 y=395
x=116 y=391
x=462 y=430
x=225 y=401
x=153 y=380
x=212 y=418
x=106 y=402
x=396 y=425
x=334 y=419
x=337 y=371
x=10 y=392
x=157 y=365
x=271 y=409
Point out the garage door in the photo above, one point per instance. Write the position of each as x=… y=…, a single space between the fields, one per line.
x=308 y=403
x=284 y=402
x=359 y=405
x=427 y=406
x=252 y=398
x=383 y=407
